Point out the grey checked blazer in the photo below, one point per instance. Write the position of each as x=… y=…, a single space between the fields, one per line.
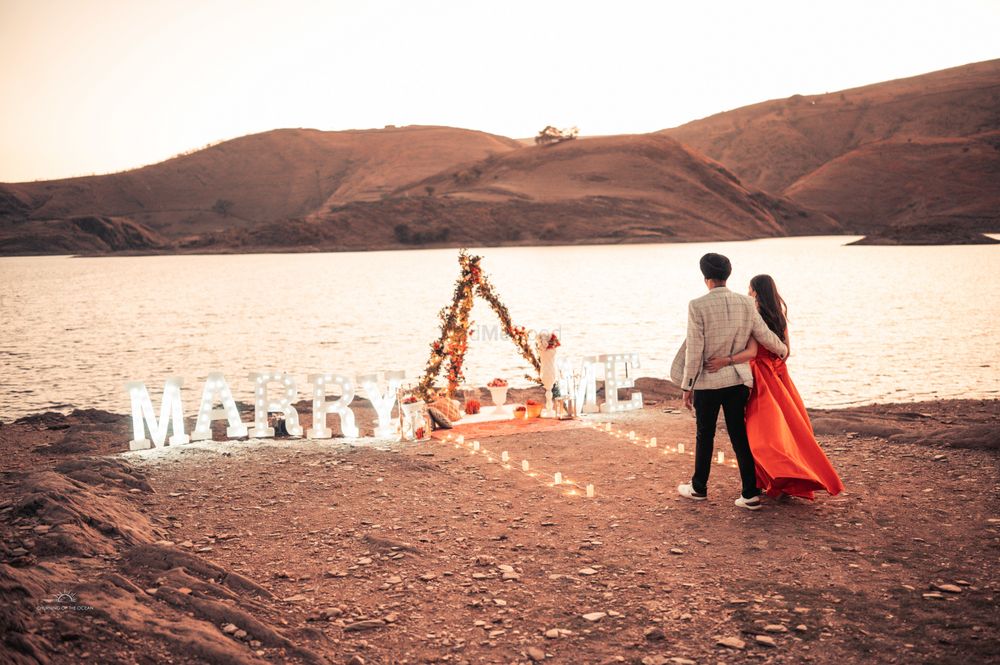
x=721 y=323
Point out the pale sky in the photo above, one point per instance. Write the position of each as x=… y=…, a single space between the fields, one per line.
x=96 y=86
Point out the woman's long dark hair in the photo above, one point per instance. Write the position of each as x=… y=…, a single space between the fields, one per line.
x=770 y=304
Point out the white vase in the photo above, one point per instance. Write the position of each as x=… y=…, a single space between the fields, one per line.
x=414 y=417
x=499 y=396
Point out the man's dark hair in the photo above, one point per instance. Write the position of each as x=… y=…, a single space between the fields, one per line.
x=716 y=266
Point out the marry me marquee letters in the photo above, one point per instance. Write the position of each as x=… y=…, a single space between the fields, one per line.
x=579 y=385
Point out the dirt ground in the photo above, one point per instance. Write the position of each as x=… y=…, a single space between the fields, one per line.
x=306 y=551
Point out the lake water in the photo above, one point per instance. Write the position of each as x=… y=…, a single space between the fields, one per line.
x=868 y=324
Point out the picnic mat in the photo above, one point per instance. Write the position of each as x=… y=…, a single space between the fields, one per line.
x=482 y=430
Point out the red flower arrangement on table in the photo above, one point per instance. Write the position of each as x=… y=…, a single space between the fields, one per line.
x=554 y=342
x=453 y=341
x=472 y=406
x=497 y=383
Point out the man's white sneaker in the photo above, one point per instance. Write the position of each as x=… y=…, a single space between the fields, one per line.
x=749 y=504
x=687 y=490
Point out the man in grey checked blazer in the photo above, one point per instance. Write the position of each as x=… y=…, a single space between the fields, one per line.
x=720 y=325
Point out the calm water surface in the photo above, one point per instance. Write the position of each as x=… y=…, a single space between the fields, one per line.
x=868 y=324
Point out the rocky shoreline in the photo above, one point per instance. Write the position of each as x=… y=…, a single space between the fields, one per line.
x=315 y=552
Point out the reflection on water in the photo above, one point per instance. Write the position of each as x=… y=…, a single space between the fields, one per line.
x=867 y=323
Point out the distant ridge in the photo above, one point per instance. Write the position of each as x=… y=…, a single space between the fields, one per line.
x=255 y=179
x=300 y=190
x=901 y=160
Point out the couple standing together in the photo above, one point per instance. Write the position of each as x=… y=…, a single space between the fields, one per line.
x=733 y=361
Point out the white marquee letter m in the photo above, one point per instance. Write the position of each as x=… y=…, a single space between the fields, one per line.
x=171 y=411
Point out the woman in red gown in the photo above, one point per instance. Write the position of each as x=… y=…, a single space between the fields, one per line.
x=788 y=458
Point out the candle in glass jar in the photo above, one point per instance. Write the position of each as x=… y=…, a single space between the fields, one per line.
x=524 y=465
x=504 y=456
x=680 y=447
x=475 y=445
x=460 y=438
x=557 y=479
x=590 y=491
x=652 y=442
x=721 y=457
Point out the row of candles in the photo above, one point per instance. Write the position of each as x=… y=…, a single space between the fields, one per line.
x=651 y=442
x=475 y=448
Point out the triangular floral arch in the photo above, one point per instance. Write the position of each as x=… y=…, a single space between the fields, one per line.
x=453 y=342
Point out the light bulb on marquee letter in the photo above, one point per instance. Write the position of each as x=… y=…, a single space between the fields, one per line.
x=261 y=405
x=171 y=412
x=321 y=407
x=383 y=403
x=216 y=385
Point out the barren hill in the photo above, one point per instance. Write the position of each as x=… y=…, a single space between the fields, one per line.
x=772 y=144
x=311 y=190
x=953 y=181
x=883 y=138
x=240 y=184
x=617 y=188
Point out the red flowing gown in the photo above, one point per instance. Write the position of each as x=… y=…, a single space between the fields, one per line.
x=788 y=458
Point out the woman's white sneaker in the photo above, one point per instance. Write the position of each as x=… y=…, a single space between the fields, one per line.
x=750 y=504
